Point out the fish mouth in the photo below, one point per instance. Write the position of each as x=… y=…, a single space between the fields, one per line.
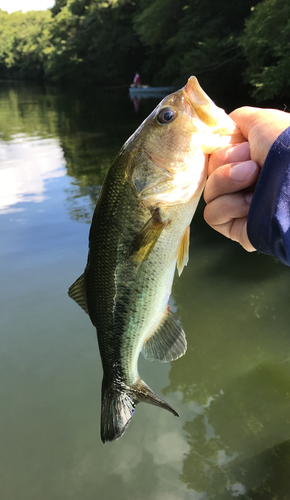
x=209 y=116
x=200 y=102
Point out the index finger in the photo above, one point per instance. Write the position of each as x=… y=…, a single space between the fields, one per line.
x=229 y=154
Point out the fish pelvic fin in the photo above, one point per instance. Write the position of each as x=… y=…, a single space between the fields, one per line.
x=168 y=342
x=77 y=292
x=118 y=406
x=183 y=251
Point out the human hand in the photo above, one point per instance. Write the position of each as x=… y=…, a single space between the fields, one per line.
x=260 y=127
x=231 y=171
x=234 y=170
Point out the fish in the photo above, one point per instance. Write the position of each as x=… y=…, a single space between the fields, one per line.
x=139 y=235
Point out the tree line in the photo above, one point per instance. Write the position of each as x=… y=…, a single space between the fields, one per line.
x=235 y=48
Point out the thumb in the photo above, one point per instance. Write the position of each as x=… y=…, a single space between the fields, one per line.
x=260 y=127
x=246 y=118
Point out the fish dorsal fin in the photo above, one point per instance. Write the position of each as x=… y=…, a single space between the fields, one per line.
x=183 y=251
x=77 y=292
x=168 y=342
x=144 y=242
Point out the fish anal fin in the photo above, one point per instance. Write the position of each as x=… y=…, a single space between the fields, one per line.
x=183 y=251
x=77 y=292
x=168 y=342
x=119 y=403
x=144 y=242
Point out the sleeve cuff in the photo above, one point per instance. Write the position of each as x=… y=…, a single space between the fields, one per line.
x=268 y=224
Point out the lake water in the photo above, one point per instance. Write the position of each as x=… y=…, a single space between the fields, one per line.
x=231 y=389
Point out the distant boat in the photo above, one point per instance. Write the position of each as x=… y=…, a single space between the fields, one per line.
x=147 y=91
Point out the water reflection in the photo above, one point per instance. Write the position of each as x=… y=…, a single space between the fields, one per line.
x=85 y=133
x=136 y=103
x=237 y=371
x=26 y=164
x=238 y=439
x=232 y=389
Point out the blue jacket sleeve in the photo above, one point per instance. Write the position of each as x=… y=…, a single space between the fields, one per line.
x=269 y=216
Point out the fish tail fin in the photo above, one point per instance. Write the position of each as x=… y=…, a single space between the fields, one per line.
x=118 y=406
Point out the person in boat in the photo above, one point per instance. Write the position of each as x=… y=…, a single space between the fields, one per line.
x=248 y=187
x=137 y=80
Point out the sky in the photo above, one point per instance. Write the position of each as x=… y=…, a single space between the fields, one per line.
x=25 y=5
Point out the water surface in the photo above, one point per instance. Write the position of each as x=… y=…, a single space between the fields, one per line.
x=232 y=388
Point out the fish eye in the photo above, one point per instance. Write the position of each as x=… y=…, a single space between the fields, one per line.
x=166 y=115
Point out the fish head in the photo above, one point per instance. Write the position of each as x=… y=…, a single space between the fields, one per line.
x=174 y=144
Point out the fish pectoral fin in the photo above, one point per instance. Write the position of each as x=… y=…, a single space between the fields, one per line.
x=167 y=343
x=119 y=403
x=77 y=292
x=144 y=242
x=183 y=251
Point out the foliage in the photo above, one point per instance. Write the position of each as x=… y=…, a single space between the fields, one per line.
x=103 y=42
x=24 y=43
x=266 y=42
x=94 y=41
x=198 y=37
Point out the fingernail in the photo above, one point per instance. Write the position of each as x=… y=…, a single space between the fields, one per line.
x=242 y=171
x=238 y=152
x=248 y=198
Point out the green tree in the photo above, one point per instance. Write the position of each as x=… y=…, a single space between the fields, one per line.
x=266 y=42
x=228 y=46
x=24 y=43
x=198 y=37
x=94 y=41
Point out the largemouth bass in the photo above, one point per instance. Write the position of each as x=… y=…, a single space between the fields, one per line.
x=139 y=234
